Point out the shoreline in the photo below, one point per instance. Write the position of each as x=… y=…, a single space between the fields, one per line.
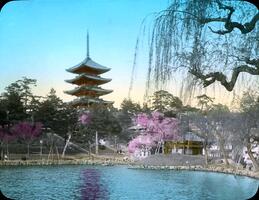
x=215 y=169
x=131 y=165
x=63 y=162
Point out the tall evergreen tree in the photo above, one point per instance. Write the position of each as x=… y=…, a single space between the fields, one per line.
x=164 y=101
x=55 y=114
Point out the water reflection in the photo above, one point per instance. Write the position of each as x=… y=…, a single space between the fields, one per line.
x=119 y=182
x=92 y=187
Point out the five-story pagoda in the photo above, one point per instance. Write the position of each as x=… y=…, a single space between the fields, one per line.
x=88 y=80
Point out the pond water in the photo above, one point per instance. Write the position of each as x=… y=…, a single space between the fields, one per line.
x=119 y=182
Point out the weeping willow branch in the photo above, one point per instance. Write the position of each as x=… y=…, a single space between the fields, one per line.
x=230 y=25
x=180 y=38
x=210 y=78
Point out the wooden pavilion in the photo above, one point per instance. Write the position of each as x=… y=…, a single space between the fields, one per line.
x=190 y=144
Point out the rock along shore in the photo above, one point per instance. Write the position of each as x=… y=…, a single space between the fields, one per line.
x=218 y=169
x=106 y=162
x=132 y=165
x=189 y=162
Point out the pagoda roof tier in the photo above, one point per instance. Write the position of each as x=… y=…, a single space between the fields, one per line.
x=88 y=66
x=85 y=101
x=85 y=90
x=86 y=79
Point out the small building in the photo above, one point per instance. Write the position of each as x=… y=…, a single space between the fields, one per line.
x=190 y=144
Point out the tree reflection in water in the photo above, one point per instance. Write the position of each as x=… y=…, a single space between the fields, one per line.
x=92 y=187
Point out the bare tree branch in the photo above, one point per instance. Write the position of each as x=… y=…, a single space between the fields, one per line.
x=229 y=25
x=210 y=78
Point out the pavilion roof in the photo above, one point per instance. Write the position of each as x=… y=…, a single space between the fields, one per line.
x=88 y=65
x=85 y=90
x=88 y=78
x=190 y=136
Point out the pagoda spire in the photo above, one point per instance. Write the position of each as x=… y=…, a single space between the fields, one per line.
x=87 y=46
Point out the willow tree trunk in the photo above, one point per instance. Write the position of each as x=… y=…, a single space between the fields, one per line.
x=28 y=150
x=2 y=152
x=222 y=150
x=7 y=150
x=96 y=143
x=250 y=153
x=206 y=154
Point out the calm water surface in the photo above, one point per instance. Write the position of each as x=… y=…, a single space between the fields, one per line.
x=118 y=182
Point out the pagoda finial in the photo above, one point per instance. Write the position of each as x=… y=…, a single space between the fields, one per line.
x=87 y=45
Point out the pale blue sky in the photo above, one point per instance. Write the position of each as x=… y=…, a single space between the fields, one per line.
x=41 y=38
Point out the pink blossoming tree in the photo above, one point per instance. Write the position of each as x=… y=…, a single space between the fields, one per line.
x=85 y=118
x=27 y=132
x=156 y=128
